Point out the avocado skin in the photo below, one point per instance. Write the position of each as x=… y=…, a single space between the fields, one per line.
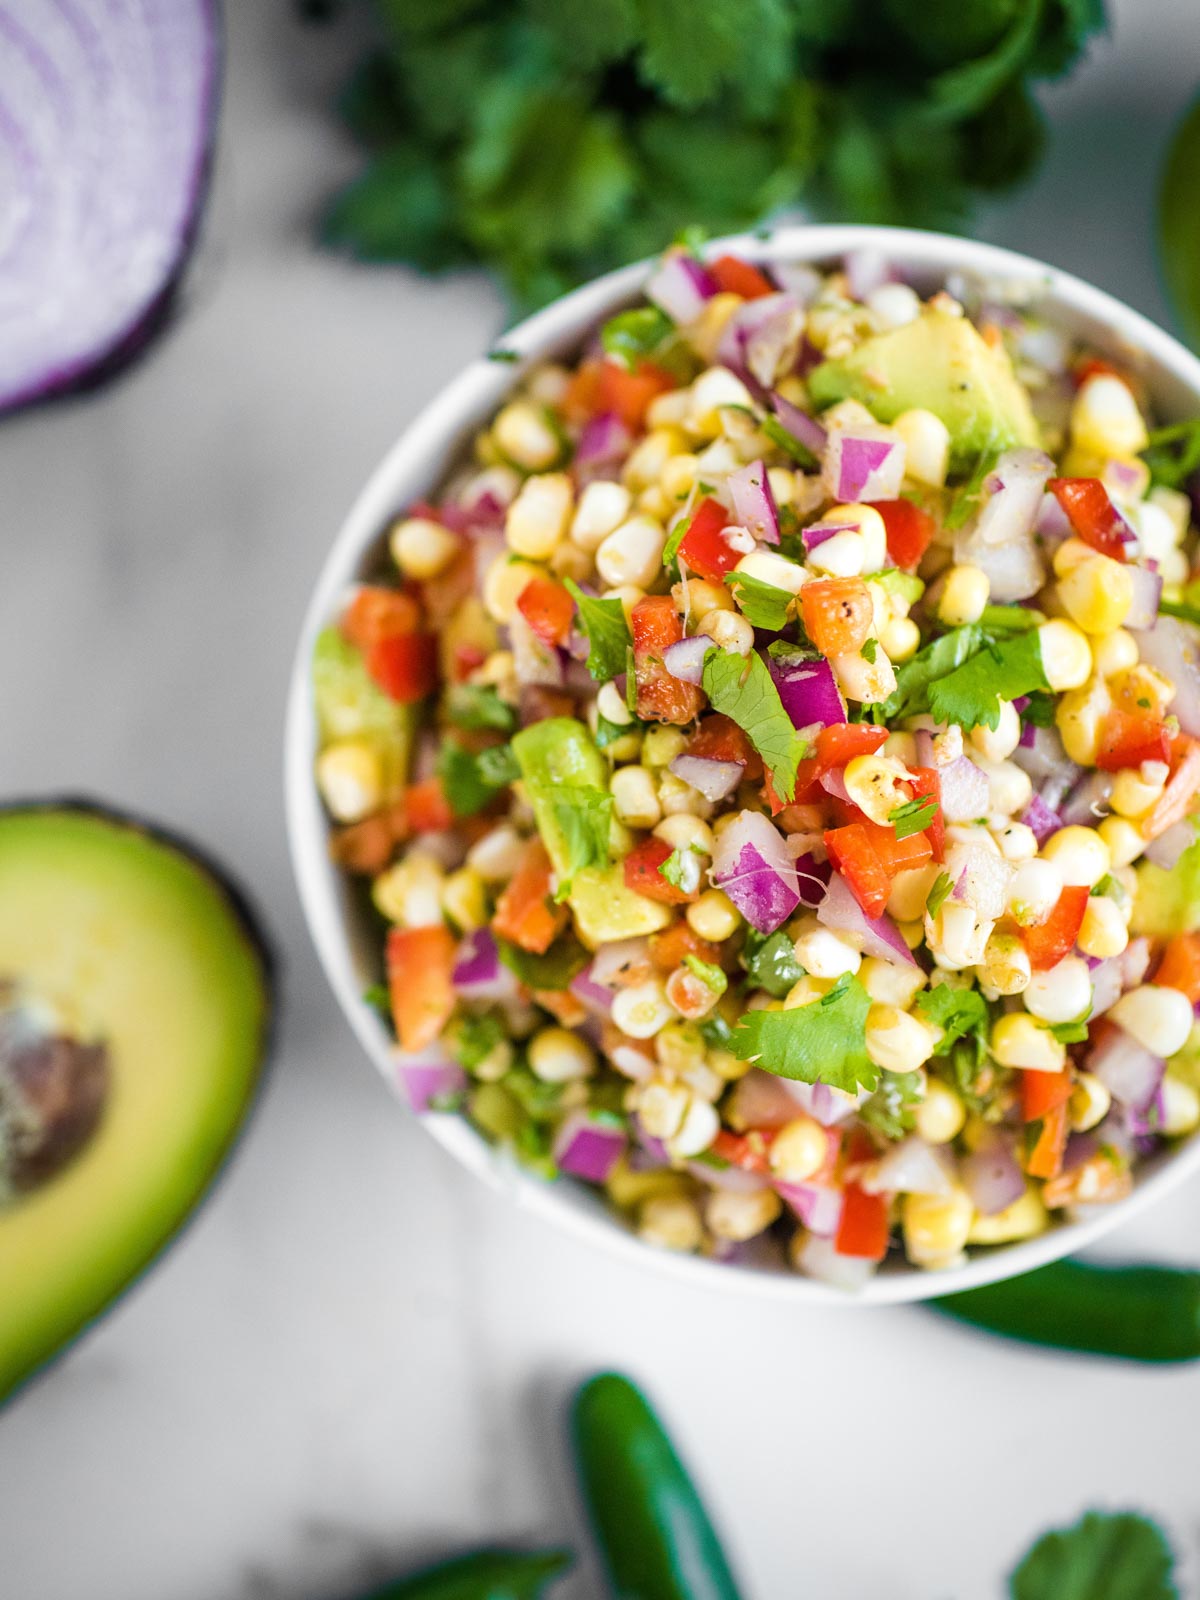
x=247 y=927
x=937 y=363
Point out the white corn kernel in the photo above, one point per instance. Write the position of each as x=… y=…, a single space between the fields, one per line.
x=941 y=1114
x=774 y=569
x=1105 y=419
x=956 y=936
x=843 y=555
x=730 y=631
x=603 y=507
x=965 y=592
x=1080 y=855
x=897 y=1041
x=410 y=893
x=1181 y=1107
x=632 y=553
x=524 y=434
x=1115 y=652
x=1079 y=717
x=641 y=1010
x=1010 y=788
x=1033 y=892
x=889 y=983
x=422 y=548
x=1103 y=931
x=1020 y=1041
x=662 y=1106
x=1066 y=654
x=926 y=440
x=700 y=1126
x=1125 y=841
x=635 y=797
x=1160 y=1019
x=713 y=917
x=712 y=391
x=1017 y=841
x=822 y=953
x=683 y=831
x=997 y=743
x=868 y=682
x=738 y=1217
x=936 y=1227
x=497 y=856
x=892 y=305
x=1063 y=994
x=350 y=777
x=556 y=1055
x=671 y=1221
x=1089 y=1103
x=1005 y=967
x=537 y=519
x=610 y=703
x=799 y=1150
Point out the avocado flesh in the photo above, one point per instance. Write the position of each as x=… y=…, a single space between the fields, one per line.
x=941 y=364
x=144 y=946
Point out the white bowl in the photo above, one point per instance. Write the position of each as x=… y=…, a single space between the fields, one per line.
x=416 y=464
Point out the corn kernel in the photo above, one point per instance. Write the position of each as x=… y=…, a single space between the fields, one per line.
x=670 y=1221
x=537 y=519
x=410 y=893
x=777 y=570
x=464 y=899
x=713 y=916
x=1089 y=1103
x=1125 y=842
x=700 y=1126
x=678 y=476
x=730 y=631
x=1160 y=1019
x=877 y=785
x=738 y=1217
x=662 y=744
x=1131 y=795
x=799 y=1150
x=602 y=507
x=1080 y=855
x=926 y=442
x=889 y=983
x=965 y=592
x=900 y=638
x=525 y=435
x=642 y=1009
x=503 y=584
x=422 y=548
x=1097 y=594
x=897 y=1041
x=1181 y=1107
x=350 y=777
x=635 y=797
x=1019 y=1041
x=1024 y=1219
x=909 y=892
x=1103 y=931
x=497 y=856
x=998 y=743
x=1114 y=653
x=712 y=391
x=1105 y=418
x=822 y=953
x=1005 y=966
x=644 y=464
x=1066 y=655
x=632 y=553
x=936 y=1227
x=940 y=1115
x=1078 y=717
x=1063 y=994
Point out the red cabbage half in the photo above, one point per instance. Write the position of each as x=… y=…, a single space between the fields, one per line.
x=107 y=117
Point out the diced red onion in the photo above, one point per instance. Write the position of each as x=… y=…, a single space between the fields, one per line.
x=839 y=909
x=1048 y=348
x=624 y=961
x=680 y=286
x=867 y=269
x=107 y=133
x=819 y=1259
x=1134 y=962
x=811 y=434
x=586 y=1148
x=818 y=1206
x=753 y=867
x=808 y=692
x=1088 y=800
x=685 y=658
x=1127 y=1069
x=1106 y=987
x=714 y=779
x=733 y=1180
x=1173 y=647
x=597 y=997
x=429 y=1076
x=834 y=783
x=1052 y=524
x=604 y=438
x=816 y=533
x=753 y=503
x=534 y=661
x=761 y=1100
x=992 y=1177
x=762 y=337
x=910 y=1167
x=1147 y=591
x=798 y=279
x=824 y=1103
x=983 y=878
x=964 y=791
x=813 y=877
x=479 y=973
x=1043 y=756
x=654 y=1148
x=999 y=539
x=863 y=464
x=1038 y=816
x=1166 y=850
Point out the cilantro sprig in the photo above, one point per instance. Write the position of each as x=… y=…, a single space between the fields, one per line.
x=914 y=816
x=822 y=1042
x=970 y=695
x=763 y=605
x=608 y=635
x=743 y=689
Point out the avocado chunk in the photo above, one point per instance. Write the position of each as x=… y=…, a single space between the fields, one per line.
x=566 y=782
x=135 y=1001
x=941 y=364
x=606 y=909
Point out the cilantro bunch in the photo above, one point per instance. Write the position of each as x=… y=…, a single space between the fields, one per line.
x=552 y=139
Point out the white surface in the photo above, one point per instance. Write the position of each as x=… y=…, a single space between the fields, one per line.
x=358 y=1355
x=347 y=942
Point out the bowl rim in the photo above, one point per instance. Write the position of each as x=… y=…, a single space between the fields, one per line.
x=434 y=436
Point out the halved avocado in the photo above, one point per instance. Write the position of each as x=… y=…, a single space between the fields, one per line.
x=135 y=1004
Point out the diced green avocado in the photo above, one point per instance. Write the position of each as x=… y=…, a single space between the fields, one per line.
x=606 y=910
x=349 y=705
x=135 y=1002
x=1168 y=903
x=941 y=364
x=555 y=754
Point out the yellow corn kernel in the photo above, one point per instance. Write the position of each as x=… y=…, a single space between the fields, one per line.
x=1097 y=594
x=965 y=592
x=1125 y=841
x=410 y=893
x=464 y=899
x=941 y=1114
x=1005 y=966
x=704 y=332
x=896 y=1040
x=1105 y=418
x=1103 y=931
x=1131 y=795
x=523 y=433
x=422 y=548
x=350 y=777
x=1066 y=654
x=678 y=476
x=670 y=1221
x=699 y=596
x=1069 y=554
x=537 y=519
x=936 y=1227
x=901 y=638
x=1080 y=855
x=926 y=442
x=1089 y=1103
x=503 y=585
x=713 y=916
x=1024 y=1219
x=1114 y=653
x=644 y=465
x=799 y=1150
x=877 y=785
x=889 y=983
x=661 y=744
x=1017 y=1040
x=1141 y=684
x=1078 y=717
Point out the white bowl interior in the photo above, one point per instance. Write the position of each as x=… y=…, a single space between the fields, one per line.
x=348 y=948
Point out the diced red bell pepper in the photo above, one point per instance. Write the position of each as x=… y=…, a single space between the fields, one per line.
x=426 y=807
x=704 y=546
x=1180 y=966
x=1091 y=514
x=1042 y=1092
x=898 y=855
x=547 y=608
x=524 y=914
x=405 y=666
x=644 y=878
x=468 y=658
x=732 y=275
x=747 y=1151
x=420 y=964
x=1046 y=1158
x=842 y=741
x=582 y=397
x=910 y=531
x=853 y=854
x=718 y=738
x=863 y=1229
x=838 y=613
x=656 y=625
x=668 y=948
x=1048 y=942
x=629 y=393
x=926 y=782
x=376 y=613
x=1176 y=800
x=1127 y=739
x=1094 y=367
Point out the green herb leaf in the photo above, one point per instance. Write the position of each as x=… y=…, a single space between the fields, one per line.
x=498 y=766
x=1173 y=454
x=565 y=959
x=1010 y=619
x=1117 y=1555
x=905 y=585
x=742 y=688
x=609 y=732
x=942 y=885
x=711 y=977
x=467 y=788
x=960 y=1013
x=892 y=1109
x=968 y=497
x=578 y=819
x=716 y=1032
x=377 y=996
x=870 y=649
x=1072 y=1032
x=477 y=707
x=787 y=441
x=472 y=1039
x=771 y=963
x=631 y=692
x=681 y=869
x=938 y=658
x=818 y=1043
x=634 y=335
x=607 y=630
x=1040 y=711
x=970 y=695
x=499 y=353
x=762 y=604
x=914 y=816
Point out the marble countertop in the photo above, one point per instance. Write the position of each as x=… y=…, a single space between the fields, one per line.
x=358 y=1356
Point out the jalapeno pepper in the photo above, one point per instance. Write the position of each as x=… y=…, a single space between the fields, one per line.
x=1130 y=1313
x=482 y=1575
x=652 y=1529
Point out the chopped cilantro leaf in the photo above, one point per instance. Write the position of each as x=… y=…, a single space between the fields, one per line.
x=377 y=995
x=762 y=604
x=938 y=658
x=822 y=1042
x=1115 y=1554
x=891 y=1110
x=476 y=707
x=1040 y=710
x=1010 y=619
x=970 y=695
x=716 y=1032
x=681 y=869
x=607 y=630
x=633 y=335
x=1173 y=454
x=941 y=888
x=711 y=977
x=467 y=788
x=771 y=963
x=743 y=689
x=870 y=649
x=631 y=694
x=914 y=816
x=577 y=818
x=500 y=352
x=1074 y=1032
x=472 y=1040
x=609 y=732
x=968 y=497
x=959 y=1013
x=564 y=960
x=787 y=441
x=498 y=766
